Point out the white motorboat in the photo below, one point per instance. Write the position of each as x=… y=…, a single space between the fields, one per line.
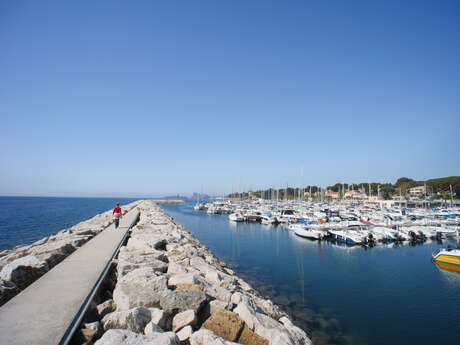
x=267 y=219
x=236 y=217
x=303 y=231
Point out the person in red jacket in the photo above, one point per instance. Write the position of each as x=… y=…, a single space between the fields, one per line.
x=117 y=215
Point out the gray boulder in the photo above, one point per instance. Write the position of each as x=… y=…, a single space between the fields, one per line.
x=184 y=278
x=159 y=318
x=299 y=336
x=181 y=300
x=206 y=337
x=185 y=333
x=126 y=337
x=185 y=318
x=24 y=271
x=134 y=319
x=152 y=328
x=141 y=287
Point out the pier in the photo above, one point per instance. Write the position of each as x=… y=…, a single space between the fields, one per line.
x=46 y=311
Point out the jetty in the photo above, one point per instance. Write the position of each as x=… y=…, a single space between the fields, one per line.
x=45 y=312
x=167 y=288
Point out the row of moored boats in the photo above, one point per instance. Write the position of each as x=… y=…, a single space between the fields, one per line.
x=354 y=224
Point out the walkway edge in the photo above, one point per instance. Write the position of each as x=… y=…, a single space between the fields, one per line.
x=81 y=313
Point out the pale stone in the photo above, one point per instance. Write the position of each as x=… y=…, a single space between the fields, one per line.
x=126 y=337
x=268 y=328
x=175 y=268
x=236 y=298
x=159 y=318
x=216 y=305
x=24 y=271
x=125 y=267
x=299 y=336
x=185 y=318
x=185 y=333
x=213 y=277
x=245 y=286
x=184 y=278
x=134 y=319
x=152 y=328
x=219 y=293
x=178 y=301
x=141 y=287
x=206 y=337
x=147 y=241
x=247 y=313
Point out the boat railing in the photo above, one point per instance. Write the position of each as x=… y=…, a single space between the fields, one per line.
x=436 y=252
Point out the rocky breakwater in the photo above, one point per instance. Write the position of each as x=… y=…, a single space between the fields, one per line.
x=171 y=289
x=22 y=265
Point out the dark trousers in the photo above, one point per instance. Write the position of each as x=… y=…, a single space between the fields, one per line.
x=117 y=222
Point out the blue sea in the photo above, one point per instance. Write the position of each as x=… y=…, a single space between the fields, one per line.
x=339 y=294
x=24 y=220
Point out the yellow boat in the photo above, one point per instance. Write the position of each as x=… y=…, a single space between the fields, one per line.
x=448 y=259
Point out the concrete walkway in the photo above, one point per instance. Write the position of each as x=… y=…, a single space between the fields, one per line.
x=42 y=313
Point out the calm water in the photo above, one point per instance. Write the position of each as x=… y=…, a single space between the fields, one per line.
x=24 y=220
x=339 y=294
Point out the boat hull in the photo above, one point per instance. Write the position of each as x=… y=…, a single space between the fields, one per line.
x=448 y=267
x=448 y=260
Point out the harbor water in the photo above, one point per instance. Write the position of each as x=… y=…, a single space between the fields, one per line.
x=340 y=294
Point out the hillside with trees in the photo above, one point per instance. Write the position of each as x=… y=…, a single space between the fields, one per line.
x=438 y=187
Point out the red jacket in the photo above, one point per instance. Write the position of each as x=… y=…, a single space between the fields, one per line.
x=117 y=210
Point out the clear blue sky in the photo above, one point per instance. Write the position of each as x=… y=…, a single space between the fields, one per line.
x=132 y=98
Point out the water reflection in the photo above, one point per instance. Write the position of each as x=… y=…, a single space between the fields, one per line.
x=339 y=294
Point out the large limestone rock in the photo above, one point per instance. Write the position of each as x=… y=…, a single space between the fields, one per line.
x=141 y=287
x=181 y=300
x=144 y=241
x=159 y=318
x=176 y=268
x=299 y=336
x=206 y=337
x=125 y=266
x=264 y=325
x=134 y=319
x=185 y=333
x=140 y=256
x=215 y=306
x=24 y=271
x=185 y=318
x=225 y=324
x=183 y=278
x=126 y=337
x=218 y=293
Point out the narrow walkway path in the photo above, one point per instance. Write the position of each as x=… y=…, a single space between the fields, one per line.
x=42 y=313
